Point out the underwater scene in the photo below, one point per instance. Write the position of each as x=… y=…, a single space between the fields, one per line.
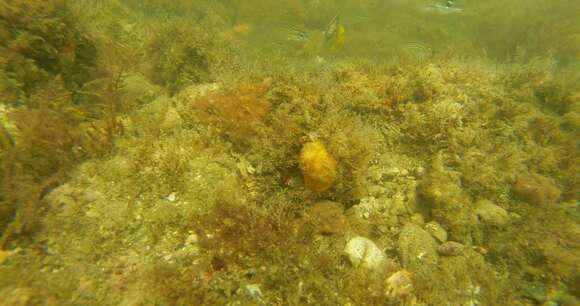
x=290 y=152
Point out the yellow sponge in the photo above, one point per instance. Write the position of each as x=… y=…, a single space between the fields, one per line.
x=318 y=166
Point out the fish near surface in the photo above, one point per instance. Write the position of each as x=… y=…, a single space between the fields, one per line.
x=334 y=35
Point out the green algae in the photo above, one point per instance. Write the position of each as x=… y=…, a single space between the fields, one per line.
x=141 y=186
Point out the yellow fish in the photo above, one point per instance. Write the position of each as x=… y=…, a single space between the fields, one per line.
x=334 y=34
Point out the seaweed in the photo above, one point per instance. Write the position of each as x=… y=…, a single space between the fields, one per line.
x=47 y=60
x=150 y=152
x=182 y=54
x=42 y=40
x=44 y=149
x=238 y=111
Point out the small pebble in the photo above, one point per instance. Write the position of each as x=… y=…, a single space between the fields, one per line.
x=419 y=171
x=254 y=291
x=399 y=284
x=171 y=197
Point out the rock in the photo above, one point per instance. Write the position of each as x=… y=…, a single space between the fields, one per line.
x=419 y=171
x=442 y=195
x=5 y=254
x=489 y=213
x=137 y=88
x=90 y=195
x=418 y=219
x=437 y=231
x=68 y=199
x=450 y=248
x=363 y=252
x=329 y=218
x=375 y=173
x=392 y=172
x=369 y=206
x=399 y=284
x=254 y=291
x=190 y=93
x=62 y=196
x=537 y=189
x=376 y=190
x=416 y=246
x=172 y=119
x=535 y=291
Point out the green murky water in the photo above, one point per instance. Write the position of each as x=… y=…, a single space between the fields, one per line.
x=291 y=152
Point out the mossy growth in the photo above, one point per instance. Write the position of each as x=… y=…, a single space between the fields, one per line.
x=44 y=149
x=448 y=204
x=44 y=62
x=238 y=111
x=162 y=196
x=41 y=39
x=181 y=54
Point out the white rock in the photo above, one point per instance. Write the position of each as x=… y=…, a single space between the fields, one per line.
x=191 y=239
x=172 y=197
x=254 y=291
x=363 y=252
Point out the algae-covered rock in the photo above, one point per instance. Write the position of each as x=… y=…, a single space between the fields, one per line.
x=399 y=284
x=462 y=280
x=172 y=119
x=489 y=213
x=329 y=218
x=437 y=231
x=416 y=246
x=450 y=248
x=537 y=189
x=442 y=194
x=137 y=88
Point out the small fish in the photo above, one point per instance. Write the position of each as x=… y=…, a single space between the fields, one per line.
x=447 y=8
x=243 y=29
x=334 y=34
x=286 y=30
x=414 y=51
x=449 y=3
x=297 y=35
